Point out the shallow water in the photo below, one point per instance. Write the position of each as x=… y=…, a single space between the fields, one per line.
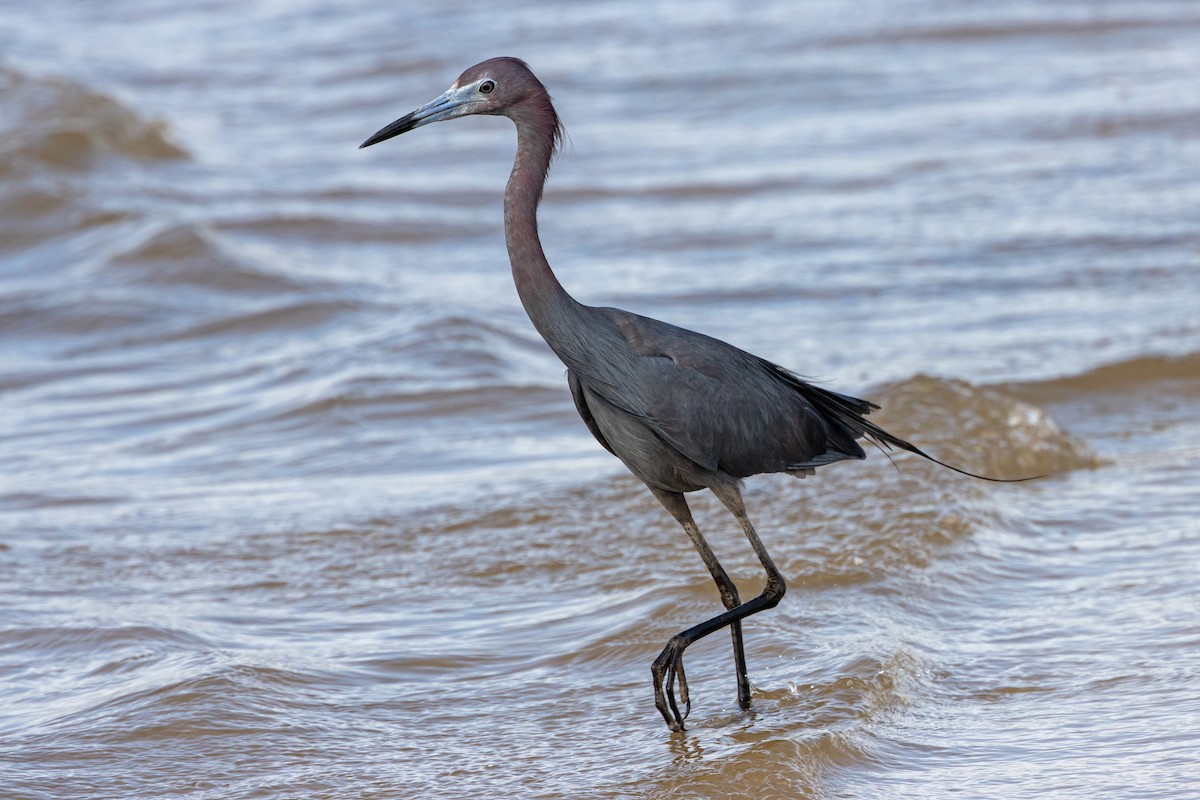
x=295 y=501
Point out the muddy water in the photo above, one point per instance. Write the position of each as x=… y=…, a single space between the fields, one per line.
x=295 y=505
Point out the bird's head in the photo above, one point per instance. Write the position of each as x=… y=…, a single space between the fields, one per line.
x=498 y=86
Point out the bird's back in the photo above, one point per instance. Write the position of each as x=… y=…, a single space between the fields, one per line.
x=684 y=410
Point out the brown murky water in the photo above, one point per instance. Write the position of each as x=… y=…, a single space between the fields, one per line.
x=294 y=501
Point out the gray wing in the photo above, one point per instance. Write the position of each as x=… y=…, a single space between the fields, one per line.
x=720 y=407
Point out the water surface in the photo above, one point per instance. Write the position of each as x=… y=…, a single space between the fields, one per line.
x=295 y=503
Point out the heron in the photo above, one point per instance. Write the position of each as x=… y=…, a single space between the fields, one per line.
x=682 y=411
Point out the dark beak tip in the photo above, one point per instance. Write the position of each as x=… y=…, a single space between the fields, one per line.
x=374 y=139
x=402 y=125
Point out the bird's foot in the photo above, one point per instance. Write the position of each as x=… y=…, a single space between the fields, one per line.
x=668 y=668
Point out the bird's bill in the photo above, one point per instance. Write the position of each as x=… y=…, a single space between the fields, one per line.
x=452 y=103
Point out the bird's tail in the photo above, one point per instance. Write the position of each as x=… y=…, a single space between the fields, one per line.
x=882 y=439
x=850 y=414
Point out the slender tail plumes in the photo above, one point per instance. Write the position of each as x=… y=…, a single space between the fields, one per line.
x=851 y=412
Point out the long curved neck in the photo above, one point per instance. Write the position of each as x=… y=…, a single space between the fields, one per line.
x=546 y=302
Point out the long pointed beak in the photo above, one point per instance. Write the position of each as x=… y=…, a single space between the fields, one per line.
x=448 y=105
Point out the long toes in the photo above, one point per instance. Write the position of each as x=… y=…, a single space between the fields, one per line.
x=668 y=668
x=669 y=710
x=672 y=672
x=683 y=689
x=664 y=699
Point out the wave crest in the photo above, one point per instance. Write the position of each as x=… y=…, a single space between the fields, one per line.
x=56 y=123
x=981 y=429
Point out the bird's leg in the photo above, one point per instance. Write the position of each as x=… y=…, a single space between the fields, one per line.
x=670 y=661
x=773 y=592
x=669 y=664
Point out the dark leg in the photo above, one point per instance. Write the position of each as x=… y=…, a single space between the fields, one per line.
x=669 y=664
x=677 y=505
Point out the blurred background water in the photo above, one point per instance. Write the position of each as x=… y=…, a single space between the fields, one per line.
x=294 y=500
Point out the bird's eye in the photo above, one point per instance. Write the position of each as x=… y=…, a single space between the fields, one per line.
x=486 y=87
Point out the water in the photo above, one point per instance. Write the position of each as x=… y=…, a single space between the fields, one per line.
x=295 y=503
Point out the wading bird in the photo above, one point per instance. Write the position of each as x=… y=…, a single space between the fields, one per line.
x=683 y=411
